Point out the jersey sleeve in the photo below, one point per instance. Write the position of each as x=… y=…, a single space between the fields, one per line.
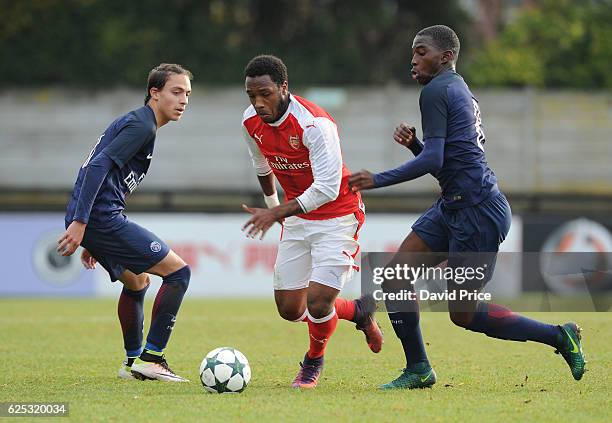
x=259 y=161
x=429 y=160
x=323 y=145
x=434 y=112
x=95 y=173
x=128 y=142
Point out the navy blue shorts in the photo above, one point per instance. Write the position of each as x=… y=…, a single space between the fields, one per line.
x=476 y=229
x=125 y=246
x=479 y=228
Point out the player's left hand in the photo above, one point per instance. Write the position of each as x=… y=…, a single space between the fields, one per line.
x=260 y=222
x=89 y=261
x=361 y=180
x=71 y=239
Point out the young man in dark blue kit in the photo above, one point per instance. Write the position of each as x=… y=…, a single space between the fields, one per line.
x=471 y=216
x=95 y=220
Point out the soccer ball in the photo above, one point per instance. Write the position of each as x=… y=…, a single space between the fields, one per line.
x=225 y=370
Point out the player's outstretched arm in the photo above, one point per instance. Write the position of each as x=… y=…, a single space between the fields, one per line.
x=361 y=180
x=429 y=161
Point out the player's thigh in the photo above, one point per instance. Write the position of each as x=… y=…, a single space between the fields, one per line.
x=291 y=303
x=130 y=246
x=413 y=253
x=134 y=282
x=430 y=229
x=476 y=233
x=293 y=265
x=334 y=247
x=480 y=228
x=102 y=247
x=169 y=264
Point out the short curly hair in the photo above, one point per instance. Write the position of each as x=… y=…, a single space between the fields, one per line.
x=266 y=64
x=444 y=38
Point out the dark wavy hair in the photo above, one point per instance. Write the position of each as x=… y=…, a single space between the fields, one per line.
x=159 y=76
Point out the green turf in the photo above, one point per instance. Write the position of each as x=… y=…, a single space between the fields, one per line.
x=70 y=350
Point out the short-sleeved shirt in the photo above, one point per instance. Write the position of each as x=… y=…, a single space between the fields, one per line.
x=449 y=110
x=129 y=142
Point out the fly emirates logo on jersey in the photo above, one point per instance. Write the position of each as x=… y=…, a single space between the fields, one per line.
x=285 y=163
x=284 y=152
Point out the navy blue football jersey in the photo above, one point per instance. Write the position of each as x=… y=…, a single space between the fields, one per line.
x=449 y=110
x=128 y=142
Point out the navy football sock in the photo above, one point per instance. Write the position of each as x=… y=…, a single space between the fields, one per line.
x=166 y=306
x=404 y=316
x=407 y=328
x=499 y=322
x=131 y=316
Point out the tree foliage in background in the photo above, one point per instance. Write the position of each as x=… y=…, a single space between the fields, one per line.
x=556 y=43
x=101 y=43
x=108 y=42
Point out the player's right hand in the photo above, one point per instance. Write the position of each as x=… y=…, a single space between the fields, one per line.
x=260 y=221
x=71 y=239
x=361 y=180
x=404 y=134
x=89 y=261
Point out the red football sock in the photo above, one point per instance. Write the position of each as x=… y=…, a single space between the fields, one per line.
x=320 y=330
x=345 y=309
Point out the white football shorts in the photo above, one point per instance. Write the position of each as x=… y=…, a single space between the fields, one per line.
x=321 y=251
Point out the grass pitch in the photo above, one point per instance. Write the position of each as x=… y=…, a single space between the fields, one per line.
x=70 y=351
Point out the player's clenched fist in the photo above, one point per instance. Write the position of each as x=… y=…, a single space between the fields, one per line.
x=404 y=134
x=71 y=239
x=361 y=180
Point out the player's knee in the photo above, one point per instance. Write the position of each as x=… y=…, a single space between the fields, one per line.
x=461 y=319
x=181 y=277
x=290 y=313
x=319 y=307
x=134 y=282
x=143 y=282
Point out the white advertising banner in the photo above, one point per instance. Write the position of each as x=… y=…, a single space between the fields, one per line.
x=225 y=263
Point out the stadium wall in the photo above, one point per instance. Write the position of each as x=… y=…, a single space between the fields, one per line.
x=537 y=141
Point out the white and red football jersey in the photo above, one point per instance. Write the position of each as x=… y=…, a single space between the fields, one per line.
x=302 y=148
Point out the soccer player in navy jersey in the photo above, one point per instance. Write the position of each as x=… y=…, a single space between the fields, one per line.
x=471 y=216
x=95 y=220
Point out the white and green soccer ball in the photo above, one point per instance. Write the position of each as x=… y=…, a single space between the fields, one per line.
x=225 y=370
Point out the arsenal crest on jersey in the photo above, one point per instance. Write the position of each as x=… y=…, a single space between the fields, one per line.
x=294 y=142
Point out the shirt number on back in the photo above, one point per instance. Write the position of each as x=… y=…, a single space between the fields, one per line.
x=480 y=136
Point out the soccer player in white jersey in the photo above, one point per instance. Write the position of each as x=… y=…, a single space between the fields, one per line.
x=296 y=142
